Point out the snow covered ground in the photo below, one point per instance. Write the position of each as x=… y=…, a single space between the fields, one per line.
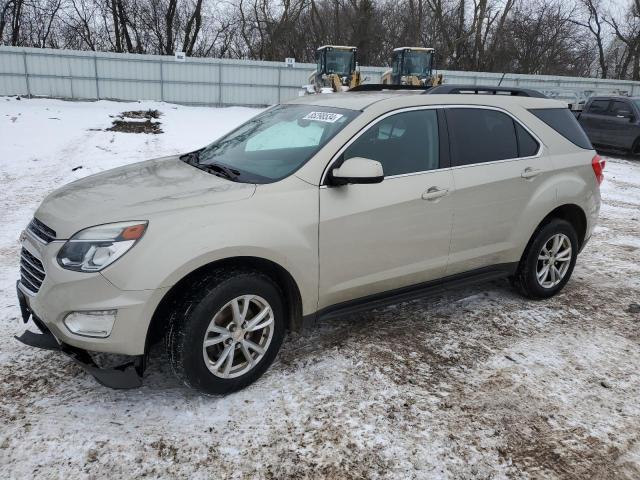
x=474 y=383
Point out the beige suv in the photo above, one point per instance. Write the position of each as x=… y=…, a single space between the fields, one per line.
x=316 y=207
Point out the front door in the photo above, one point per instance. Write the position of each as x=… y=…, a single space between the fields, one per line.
x=376 y=238
x=594 y=121
x=621 y=127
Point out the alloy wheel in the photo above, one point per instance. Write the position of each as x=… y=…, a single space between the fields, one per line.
x=238 y=336
x=554 y=260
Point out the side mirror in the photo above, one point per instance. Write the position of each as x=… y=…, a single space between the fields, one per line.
x=357 y=170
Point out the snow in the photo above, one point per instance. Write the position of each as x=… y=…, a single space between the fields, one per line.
x=473 y=383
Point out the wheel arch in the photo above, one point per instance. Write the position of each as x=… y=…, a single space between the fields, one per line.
x=572 y=213
x=281 y=276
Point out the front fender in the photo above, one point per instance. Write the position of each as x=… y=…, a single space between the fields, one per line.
x=277 y=224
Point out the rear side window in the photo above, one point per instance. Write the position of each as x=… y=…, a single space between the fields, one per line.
x=527 y=145
x=599 y=107
x=406 y=142
x=480 y=135
x=565 y=123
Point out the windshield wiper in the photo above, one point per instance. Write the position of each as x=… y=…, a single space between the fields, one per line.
x=192 y=158
x=221 y=170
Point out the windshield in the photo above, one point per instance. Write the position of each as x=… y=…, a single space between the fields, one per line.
x=417 y=63
x=339 y=61
x=272 y=145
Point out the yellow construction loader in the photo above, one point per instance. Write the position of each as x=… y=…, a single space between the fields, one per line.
x=336 y=70
x=412 y=66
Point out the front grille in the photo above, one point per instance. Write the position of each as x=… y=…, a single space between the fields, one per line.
x=40 y=230
x=31 y=271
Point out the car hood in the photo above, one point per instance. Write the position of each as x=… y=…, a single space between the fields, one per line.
x=135 y=192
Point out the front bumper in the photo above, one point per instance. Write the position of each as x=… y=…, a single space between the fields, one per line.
x=127 y=375
x=63 y=292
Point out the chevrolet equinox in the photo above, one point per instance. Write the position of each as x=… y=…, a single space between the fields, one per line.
x=316 y=207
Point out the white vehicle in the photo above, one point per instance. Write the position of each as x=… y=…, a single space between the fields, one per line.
x=316 y=207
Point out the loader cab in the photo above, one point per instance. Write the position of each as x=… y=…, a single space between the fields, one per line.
x=336 y=60
x=412 y=65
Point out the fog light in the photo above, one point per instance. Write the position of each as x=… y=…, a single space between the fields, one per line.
x=96 y=323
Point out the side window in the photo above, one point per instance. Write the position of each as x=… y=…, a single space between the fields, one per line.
x=599 y=107
x=563 y=121
x=480 y=135
x=527 y=145
x=622 y=109
x=406 y=142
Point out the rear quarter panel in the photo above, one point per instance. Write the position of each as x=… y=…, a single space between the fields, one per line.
x=573 y=178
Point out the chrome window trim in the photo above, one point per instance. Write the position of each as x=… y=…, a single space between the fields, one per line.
x=538 y=154
x=364 y=129
x=337 y=155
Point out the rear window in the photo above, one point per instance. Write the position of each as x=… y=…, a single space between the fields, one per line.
x=565 y=123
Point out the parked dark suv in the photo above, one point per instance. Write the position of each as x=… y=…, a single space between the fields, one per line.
x=613 y=122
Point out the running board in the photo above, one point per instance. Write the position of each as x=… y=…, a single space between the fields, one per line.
x=414 y=292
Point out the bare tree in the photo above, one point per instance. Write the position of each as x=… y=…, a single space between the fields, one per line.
x=594 y=22
x=532 y=36
x=629 y=34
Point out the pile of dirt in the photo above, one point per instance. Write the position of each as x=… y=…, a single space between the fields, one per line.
x=135 y=125
x=148 y=114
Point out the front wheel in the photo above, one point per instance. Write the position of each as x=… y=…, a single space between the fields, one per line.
x=227 y=332
x=548 y=262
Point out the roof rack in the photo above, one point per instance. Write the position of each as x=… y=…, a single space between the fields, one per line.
x=453 y=90
x=377 y=87
x=484 y=90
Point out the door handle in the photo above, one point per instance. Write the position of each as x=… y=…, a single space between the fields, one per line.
x=433 y=193
x=530 y=172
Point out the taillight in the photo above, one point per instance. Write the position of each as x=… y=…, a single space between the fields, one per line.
x=598 y=168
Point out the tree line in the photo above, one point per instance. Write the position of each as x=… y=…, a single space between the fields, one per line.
x=575 y=37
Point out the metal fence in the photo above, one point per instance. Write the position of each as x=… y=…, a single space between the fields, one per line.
x=202 y=81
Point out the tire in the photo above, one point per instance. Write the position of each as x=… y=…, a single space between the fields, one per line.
x=214 y=304
x=635 y=148
x=532 y=265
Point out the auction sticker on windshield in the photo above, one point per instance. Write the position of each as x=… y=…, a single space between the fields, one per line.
x=328 y=117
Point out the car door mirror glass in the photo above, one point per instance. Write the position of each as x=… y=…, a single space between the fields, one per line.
x=357 y=170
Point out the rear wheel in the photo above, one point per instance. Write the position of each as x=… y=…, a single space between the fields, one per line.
x=227 y=332
x=548 y=262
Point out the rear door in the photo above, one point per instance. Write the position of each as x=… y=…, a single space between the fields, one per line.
x=380 y=237
x=496 y=168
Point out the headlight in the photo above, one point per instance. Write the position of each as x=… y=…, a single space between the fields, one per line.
x=94 y=248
